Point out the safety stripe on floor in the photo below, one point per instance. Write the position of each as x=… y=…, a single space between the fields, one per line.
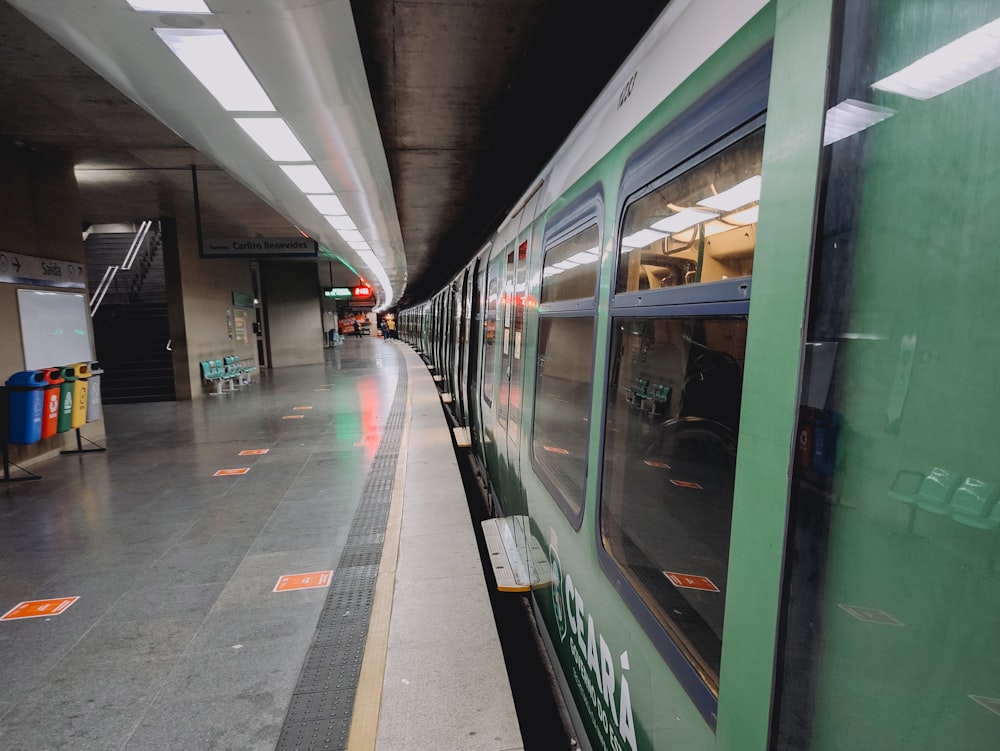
x=319 y=716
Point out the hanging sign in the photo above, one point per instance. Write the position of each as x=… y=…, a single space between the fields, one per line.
x=260 y=247
x=41 y=272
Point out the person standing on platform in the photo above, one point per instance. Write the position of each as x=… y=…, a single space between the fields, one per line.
x=357 y=329
x=391 y=325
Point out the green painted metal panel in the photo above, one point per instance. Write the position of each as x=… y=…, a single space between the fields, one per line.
x=770 y=392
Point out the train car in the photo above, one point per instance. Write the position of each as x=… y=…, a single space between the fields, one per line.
x=727 y=374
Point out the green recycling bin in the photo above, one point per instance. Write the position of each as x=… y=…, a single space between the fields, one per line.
x=65 y=419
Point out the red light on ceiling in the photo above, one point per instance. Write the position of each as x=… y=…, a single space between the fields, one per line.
x=362 y=291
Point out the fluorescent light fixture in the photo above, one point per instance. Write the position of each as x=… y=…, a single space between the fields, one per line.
x=642 y=238
x=714 y=228
x=274 y=136
x=586 y=256
x=341 y=222
x=567 y=265
x=210 y=55
x=552 y=271
x=351 y=235
x=359 y=246
x=747 y=216
x=308 y=179
x=958 y=62
x=851 y=116
x=745 y=192
x=683 y=219
x=169 y=6
x=328 y=205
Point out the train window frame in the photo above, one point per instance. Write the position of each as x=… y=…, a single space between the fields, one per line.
x=696 y=135
x=582 y=216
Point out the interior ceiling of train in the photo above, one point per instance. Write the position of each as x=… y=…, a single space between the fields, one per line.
x=469 y=99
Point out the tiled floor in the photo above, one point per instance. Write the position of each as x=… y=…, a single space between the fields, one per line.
x=177 y=640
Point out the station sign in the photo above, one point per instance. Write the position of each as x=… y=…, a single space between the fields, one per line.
x=338 y=293
x=260 y=247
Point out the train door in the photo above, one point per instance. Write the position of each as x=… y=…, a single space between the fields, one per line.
x=511 y=396
x=491 y=358
x=462 y=334
x=473 y=381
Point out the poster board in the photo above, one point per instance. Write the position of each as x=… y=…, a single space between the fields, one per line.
x=55 y=328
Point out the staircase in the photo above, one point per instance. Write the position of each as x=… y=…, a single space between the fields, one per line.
x=131 y=329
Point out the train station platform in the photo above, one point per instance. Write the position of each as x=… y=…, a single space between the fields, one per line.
x=291 y=566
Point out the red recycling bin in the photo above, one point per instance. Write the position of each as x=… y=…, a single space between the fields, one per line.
x=50 y=401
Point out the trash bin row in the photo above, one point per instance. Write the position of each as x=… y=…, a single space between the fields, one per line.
x=52 y=400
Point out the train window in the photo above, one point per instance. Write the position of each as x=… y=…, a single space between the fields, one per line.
x=560 y=438
x=700 y=226
x=562 y=406
x=490 y=332
x=570 y=270
x=669 y=464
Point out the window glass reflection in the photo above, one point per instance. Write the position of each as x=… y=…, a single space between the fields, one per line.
x=669 y=466
x=698 y=227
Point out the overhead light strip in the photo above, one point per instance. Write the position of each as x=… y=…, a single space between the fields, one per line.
x=274 y=136
x=170 y=6
x=213 y=59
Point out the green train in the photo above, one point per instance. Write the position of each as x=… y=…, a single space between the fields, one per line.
x=729 y=372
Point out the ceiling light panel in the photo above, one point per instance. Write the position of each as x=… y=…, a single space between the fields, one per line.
x=682 y=220
x=274 y=136
x=328 y=205
x=342 y=222
x=852 y=116
x=169 y=6
x=968 y=57
x=739 y=195
x=308 y=179
x=213 y=59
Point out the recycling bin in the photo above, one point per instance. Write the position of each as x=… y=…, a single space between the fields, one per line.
x=50 y=401
x=80 y=388
x=94 y=392
x=65 y=419
x=25 y=390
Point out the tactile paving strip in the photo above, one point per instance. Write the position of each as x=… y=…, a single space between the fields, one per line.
x=319 y=716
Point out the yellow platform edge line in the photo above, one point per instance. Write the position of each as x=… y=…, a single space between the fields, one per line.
x=368 y=696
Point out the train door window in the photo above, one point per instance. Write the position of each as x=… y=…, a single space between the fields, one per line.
x=564 y=374
x=490 y=331
x=675 y=372
x=669 y=464
x=508 y=304
x=698 y=227
x=517 y=303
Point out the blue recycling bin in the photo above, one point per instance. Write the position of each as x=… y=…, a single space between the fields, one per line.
x=26 y=392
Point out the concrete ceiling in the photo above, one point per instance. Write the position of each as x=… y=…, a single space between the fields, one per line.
x=471 y=98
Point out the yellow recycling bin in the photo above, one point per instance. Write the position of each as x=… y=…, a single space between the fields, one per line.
x=79 y=416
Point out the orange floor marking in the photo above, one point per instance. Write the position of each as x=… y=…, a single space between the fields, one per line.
x=651 y=463
x=301 y=407
x=228 y=472
x=687 y=581
x=253 y=452
x=556 y=450
x=39 y=608
x=292 y=417
x=303 y=581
